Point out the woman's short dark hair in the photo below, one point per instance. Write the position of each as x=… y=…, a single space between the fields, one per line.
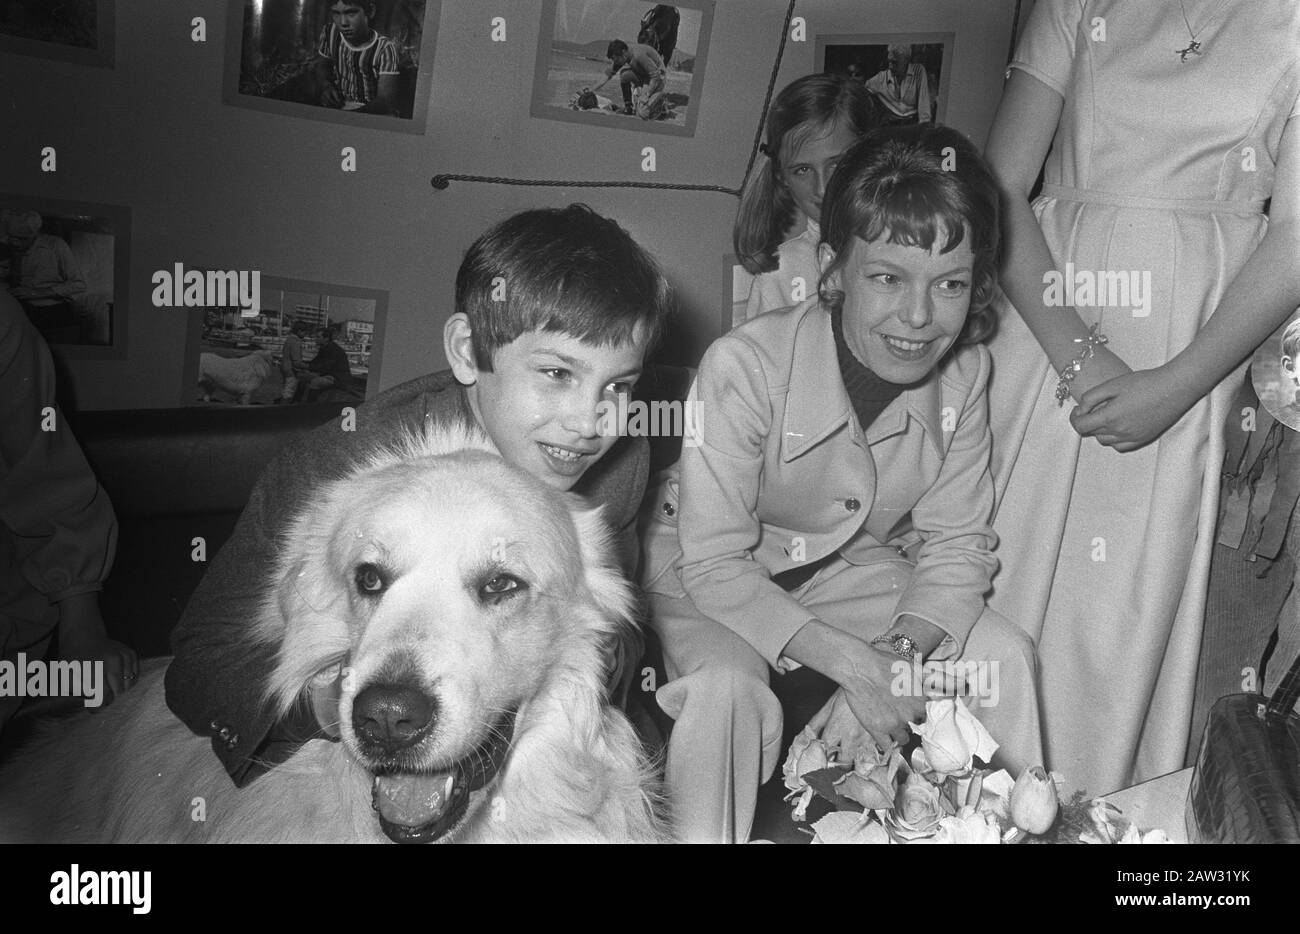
x=917 y=185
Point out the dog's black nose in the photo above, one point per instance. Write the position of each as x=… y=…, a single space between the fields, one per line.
x=392 y=717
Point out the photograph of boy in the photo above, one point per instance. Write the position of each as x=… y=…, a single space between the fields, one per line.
x=531 y=372
x=350 y=55
x=70 y=22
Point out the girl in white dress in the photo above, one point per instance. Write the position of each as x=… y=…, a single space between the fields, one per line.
x=1166 y=125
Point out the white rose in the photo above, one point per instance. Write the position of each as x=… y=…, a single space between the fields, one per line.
x=969 y=826
x=951 y=735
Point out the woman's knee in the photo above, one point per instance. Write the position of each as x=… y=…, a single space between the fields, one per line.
x=996 y=637
x=720 y=691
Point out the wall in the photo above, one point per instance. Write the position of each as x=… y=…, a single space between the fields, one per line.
x=228 y=188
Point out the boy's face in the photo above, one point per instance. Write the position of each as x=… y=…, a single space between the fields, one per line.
x=903 y=306
x=352 y=19
x=540 y=404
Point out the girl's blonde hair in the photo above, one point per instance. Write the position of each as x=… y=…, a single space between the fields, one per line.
x=812 y=104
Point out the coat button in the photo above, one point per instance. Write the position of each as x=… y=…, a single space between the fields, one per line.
x=669 y=509
x=224 y=732
x=233 y=741
x=214 y=726
x=852 y=505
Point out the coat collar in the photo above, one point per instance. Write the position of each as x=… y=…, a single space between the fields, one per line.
x=817 y=405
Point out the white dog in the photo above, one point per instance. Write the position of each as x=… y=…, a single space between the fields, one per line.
x=238 y=376
x=472 y=609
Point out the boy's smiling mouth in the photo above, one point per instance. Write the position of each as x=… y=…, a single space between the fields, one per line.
x=565 y=460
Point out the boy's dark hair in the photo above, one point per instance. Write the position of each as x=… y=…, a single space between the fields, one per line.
x=917 y=184
x=616 y=47
x=367 y=5
x=564 y=270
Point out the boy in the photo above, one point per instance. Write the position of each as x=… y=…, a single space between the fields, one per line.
x=583 y=303
x=637 y=66
x=357 y=69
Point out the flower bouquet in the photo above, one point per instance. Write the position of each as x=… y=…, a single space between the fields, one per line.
x=943 y=793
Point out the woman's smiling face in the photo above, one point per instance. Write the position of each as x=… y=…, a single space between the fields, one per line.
x=903 y=306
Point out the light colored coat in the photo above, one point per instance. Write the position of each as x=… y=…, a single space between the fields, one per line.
x=780 y=474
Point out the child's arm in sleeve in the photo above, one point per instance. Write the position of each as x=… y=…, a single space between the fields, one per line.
x=215 y=681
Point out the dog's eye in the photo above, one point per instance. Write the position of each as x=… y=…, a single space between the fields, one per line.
x=499 y=587
x=370 y=580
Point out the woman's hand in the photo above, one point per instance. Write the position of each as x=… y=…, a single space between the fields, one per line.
x=867 y=692
x=1132 y=410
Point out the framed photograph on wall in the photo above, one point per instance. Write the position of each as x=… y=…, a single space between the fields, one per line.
x=304 y=342
x=79 y=31
x=362 y=63
x=624 y=64
x=907 y=73
x=68 y=264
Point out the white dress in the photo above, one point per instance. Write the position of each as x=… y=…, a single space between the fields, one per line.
x=1159 y=167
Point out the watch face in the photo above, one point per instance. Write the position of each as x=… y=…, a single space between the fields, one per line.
x=899 y=644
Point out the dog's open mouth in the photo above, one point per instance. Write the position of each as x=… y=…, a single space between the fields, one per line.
x=420 y=807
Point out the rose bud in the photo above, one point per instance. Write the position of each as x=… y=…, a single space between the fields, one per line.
x=1033 y=801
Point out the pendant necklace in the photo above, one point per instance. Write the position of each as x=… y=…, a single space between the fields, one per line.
x=1194 y=47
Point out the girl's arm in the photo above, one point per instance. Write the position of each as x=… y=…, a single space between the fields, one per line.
x=1135 y=409
x=1018 y=144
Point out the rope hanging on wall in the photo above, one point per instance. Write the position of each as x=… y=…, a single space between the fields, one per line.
x=441 y=182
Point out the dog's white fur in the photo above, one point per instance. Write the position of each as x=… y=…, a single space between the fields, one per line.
x=440 y=511
x=238 y=376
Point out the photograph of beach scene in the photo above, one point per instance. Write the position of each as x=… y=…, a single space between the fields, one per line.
x=654 y=79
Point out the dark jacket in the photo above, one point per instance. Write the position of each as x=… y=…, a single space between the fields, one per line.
x=216 y=680
x=331 y=360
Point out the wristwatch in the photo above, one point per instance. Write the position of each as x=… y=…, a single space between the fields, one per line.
x=903 y=646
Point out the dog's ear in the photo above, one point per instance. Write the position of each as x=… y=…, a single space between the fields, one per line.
x=617 y=631
x=305 y=614
x=601 y=573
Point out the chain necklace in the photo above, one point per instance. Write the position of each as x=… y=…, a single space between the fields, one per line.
x=1194 y=47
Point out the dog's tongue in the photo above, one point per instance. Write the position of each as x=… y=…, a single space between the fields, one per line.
x=414 y=800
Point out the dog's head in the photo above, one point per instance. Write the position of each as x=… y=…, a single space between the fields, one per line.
x=453 y=588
